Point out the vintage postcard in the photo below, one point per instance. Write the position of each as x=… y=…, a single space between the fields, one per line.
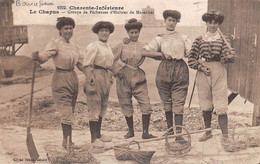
x=103 y=81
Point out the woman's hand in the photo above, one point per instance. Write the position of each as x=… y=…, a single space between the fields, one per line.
x=120 y=75
x=35 y=55
x=205 y=70
x=126 y=40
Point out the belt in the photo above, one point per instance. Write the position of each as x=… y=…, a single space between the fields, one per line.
x=66 y=70
x=175 y=60
x=129 y=66
x=210 y=59
x=99 y=67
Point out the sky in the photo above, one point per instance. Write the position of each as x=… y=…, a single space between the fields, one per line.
x=191 y=10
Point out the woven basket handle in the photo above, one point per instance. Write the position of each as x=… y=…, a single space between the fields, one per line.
x=174 y=127
x=133 y=142
x=235 y=126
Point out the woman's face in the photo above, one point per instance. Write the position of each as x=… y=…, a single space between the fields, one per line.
x=170 y=23
x=66 y=32
x=133 y=34
x=212 y=26
x=103 y=34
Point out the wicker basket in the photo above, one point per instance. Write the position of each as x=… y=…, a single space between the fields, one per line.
x=56 y=154
x=237 y=140
x=175 y=147
x=126 y=153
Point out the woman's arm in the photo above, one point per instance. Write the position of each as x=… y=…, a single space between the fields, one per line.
x=87 y=70
x=187 y=44
x=227 y=52
x=152 y=49
x=49 y=52
x=117 y=51
x=151 y=54
x=80 y=66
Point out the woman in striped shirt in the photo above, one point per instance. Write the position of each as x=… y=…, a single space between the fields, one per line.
x=208 y=55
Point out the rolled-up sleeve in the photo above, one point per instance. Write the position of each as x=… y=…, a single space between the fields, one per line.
x=50 y=51
x=187 y=44
x=154 y=45
x=90 y=55
x=117 y=51
x=194 y=55
x=81 y=57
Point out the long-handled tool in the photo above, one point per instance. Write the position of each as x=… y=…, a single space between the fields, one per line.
x=225 y=40
x=193 y=88
x=29 y=140
x=160 y=138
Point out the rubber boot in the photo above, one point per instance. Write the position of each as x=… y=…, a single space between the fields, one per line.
x=169 y=121
x=223 y=123
x=178 y=118
x=67 y=131
x=99 y=127
x=130 y=124
x=207 y=115
x=146 y=121
x=103 y=137
x=93 y=126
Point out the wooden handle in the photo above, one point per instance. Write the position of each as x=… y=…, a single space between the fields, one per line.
x=31 y=99
x=192 y=92
x=160 y=138
x=225 y=40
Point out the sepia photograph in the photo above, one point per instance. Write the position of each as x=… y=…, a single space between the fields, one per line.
x=130 y=82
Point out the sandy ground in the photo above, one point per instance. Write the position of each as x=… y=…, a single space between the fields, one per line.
x=14 y=106
x=13 y=148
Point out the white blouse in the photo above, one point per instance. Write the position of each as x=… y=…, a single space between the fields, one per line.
x=65 y=55
x=172 y=44
x=100 y=54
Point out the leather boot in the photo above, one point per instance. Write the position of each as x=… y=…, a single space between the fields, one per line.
x=130 y=124
x=146 y=121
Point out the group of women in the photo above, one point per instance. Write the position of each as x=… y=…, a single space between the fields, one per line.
x=207 y=54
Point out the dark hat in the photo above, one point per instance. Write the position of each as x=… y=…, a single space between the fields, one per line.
x=172 y=13
x=213 y=15
x=62 y=21
x=103 y=24
x=133 y=24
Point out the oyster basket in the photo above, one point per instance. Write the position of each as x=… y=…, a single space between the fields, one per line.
x=126 y=153
x=177 y=148
x=58 y=155
x=241 y=140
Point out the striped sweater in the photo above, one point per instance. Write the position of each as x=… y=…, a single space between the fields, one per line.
x=209 y=51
